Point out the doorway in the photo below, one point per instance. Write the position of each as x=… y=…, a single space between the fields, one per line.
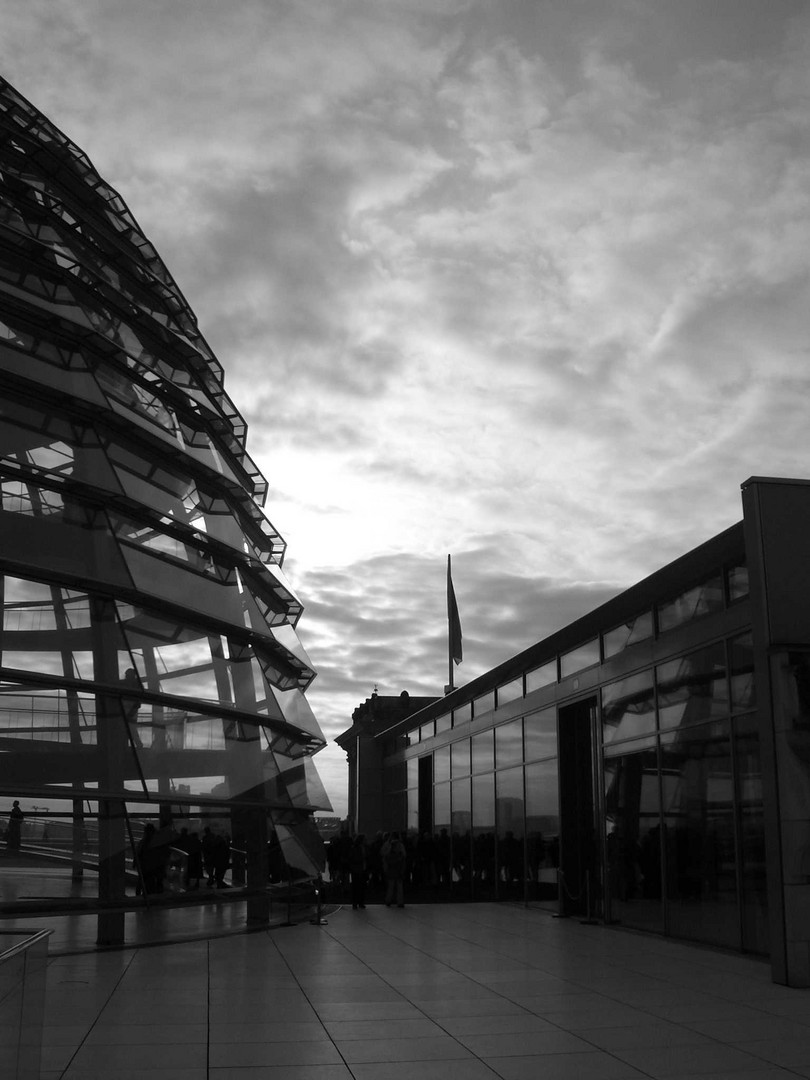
x=579 y=864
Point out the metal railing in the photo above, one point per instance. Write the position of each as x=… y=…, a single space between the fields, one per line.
x=23 y=968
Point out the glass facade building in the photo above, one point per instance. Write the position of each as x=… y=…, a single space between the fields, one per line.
x=648 y=765
x=150 y=669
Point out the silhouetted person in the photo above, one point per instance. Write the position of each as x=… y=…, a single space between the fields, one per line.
x=15 y=820
x=208 y=844
x=222 y=858
x=358 y=869
x=132 y=705
x=394 y=861
x=195 y=861
x=152 y=858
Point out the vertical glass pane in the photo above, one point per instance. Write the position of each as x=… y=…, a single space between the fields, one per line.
x=461 y=835
x=541 y=734
x=542 y=676
x=702 y=599
x=701 y=864
x=441 y=764
x=737 y=582
x=628 y=707
x=484 y=871
x=633 y=837
x=577 y=659
x=462 y=714
x=509 y=744
x=443 y=723
x=412 y=824
x=484 y=704
x=509 y=811
x=693 y=688
x=483 y=752
x=741 y=659
x=510 y=691
x=460 y=758
x=543 y=830
x=442 y=824
x=638 y=629
x=752 y=835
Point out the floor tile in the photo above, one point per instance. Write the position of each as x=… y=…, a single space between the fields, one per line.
x=417 y=1028
x=268 y=1031
x=282 y=1072
x=660 y=1062
x=784 y=1052
x=459 y=1069
x=435 y=1048
x=240 y=1055
x=368 y=1010
x=156 y=1034
x=515 y=1023
x=593 y=1066
x=524 y=1043
x=654 y=1033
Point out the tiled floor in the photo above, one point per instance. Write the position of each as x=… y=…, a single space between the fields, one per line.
x=470 y=992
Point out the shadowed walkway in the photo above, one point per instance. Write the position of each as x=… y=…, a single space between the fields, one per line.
x=473 y=992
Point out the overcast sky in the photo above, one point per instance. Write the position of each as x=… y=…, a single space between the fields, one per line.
x=520 y=280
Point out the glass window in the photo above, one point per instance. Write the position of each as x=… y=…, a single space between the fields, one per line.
x=441 y=764
x=484 y=704
x=543 y=829
x=443 y=723
x=461 y=831
x=542 y=676
x=737 y=582
x=741 y=658
x=483 y=752
x=427 y=731
x=463 y=714
x=413 y=772
x=633 y=836
x=700 y=600
x=460 y=762
x=701 y=863
x=509 y=744
x=441 y=808
x=541 y=734
x=510 y=691
x=752 y=835
x=583 y=656
x=693 y=688
x=638 y=629
x=509 y=812
x=628 y=707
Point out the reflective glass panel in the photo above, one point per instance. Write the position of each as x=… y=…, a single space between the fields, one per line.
x=693 y=688
x=701 y=864
x=638 y=629
x=541 y=676
x=441 y=764
x=584 y=656
x=509 y=811
x=484 y=704
x=460 y=758
x=700 y=600
x=412 y=766
x=541 y=734
x=443 y=723
x=441 y=809
x=461 y=834
x=483 y=752
x=510 y=691
x=633 y=837
x=752 y=835
x=484 y=862
x=737 y=582
x=741 y=658
x=462 y=714
x=543 y=829
x=628 y=707
x=427 y=731
x=509 y=744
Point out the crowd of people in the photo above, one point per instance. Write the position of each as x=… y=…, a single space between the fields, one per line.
x=388 y=866
x=206 y=856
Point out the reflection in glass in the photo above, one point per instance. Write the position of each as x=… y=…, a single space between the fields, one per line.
x=509 y=743
x=633 y=837
x=541 y=734
x=460 y=758
x=510 y=691
x=583 y=656
x=701 y=863
x=542 y=676
x=737 y=582
x=484 y=869
x=700 y=600
x=463 y=714
x=752 y=835
x=543 y=829
x=509 y=809
x=441 y=764
x=461 y=821
x=628 y=707
x=693 y=688
x=638 y=629
x=483 y=752
x=741 y=659
x=483 y=704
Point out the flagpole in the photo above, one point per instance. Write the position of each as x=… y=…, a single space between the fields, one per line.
x=449 y=689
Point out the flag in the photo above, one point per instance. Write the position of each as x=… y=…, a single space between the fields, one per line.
x=453 y=621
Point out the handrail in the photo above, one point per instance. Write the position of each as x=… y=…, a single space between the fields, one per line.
x=22 y=946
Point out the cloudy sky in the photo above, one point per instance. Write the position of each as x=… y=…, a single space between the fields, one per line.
x=520 y=280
